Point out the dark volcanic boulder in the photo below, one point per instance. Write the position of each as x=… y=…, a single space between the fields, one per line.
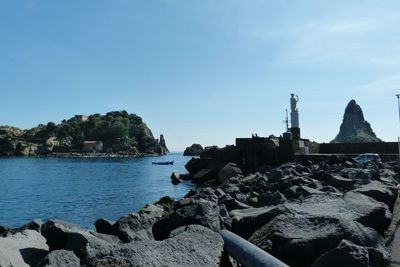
x=339 y=182
x=225 y=154
x=270 y=199
x=379 y=192
x=228 y=171
x=193 y=150
x=349 y=254
x=201 y=212
x=246 y=221
x=134 y=226
x=195 y=165
x=58 y=258
x=62 y=235
x=205 y=175
x=354 y=128
x=192 y=245
x=33 y=225
x=176 y=178
x=233 y=204
x=300 y=240
x=351 y=206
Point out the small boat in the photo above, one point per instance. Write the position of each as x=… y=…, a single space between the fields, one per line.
x=163 y=162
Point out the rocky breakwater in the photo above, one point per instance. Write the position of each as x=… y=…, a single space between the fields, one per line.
x=325 y=214
x=333 y=213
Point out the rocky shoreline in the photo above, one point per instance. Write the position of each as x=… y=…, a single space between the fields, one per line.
x=315 y=214
x=90 y=155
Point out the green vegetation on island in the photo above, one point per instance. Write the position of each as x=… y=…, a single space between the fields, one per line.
x=116 y=132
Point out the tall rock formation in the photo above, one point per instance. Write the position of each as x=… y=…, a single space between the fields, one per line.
x=354 y=128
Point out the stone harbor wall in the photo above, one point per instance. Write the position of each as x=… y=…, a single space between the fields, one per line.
x=360 y=148
x=329 y=213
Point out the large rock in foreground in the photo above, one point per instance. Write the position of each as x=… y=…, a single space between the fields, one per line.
x=351 y=206
x=300 y=240
x=25 y=248
x=66 y=236
x=132 y=227
x=64 y=258
x=200 y=212
x=349 y=254
x=192 y=245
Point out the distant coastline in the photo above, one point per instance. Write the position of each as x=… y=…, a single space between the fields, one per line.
x=115 y=134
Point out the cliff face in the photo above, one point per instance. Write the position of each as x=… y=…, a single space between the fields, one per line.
x=119 y=131
x=354 y=128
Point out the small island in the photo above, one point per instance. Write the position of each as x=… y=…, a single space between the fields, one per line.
x=117 y=133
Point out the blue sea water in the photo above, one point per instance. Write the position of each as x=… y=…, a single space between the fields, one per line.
x=81 y=190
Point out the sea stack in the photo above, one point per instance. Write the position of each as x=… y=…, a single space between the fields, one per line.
x=354 y=128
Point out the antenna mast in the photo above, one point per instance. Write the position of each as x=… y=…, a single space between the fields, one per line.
x=286 y=121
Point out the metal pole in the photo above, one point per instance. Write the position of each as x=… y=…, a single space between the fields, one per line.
x=247 y=254
x=398 y=137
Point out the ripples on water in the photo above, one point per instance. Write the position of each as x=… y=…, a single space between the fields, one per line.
x=81 y=190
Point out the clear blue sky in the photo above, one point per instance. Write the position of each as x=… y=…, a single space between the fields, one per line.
x=202 y=71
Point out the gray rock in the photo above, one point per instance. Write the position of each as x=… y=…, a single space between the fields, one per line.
x=349 y=254
x=299 y=240
x=191 y=245
x=292 y=192
x=329 y=188
x=204 y=175
x=308 y=191
x=340 y=182
x=175 y=178
x=270 y=199
x=58 y=258
x=246 y=221
x=166 y=202
x=33 y=225
x=112 y=239
x=132 y=227
x=104 y=226
x=352 y=206
x=195 y=165
x=205 y=193
x=285 y=183
x=228 y=171
x=25 y=248
x=62 y=235
x=193 y=150
x=152 y=210
x=276 y=174
x=201 y=212
x=379 y=192
x=225 y=218
x=233 y=204
x=230 y=189
x=3 y=230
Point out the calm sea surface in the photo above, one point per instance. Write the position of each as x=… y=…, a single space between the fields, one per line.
x=83 y=190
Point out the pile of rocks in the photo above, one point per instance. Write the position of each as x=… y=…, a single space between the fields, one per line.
x=333 y=213
x=306 y=215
